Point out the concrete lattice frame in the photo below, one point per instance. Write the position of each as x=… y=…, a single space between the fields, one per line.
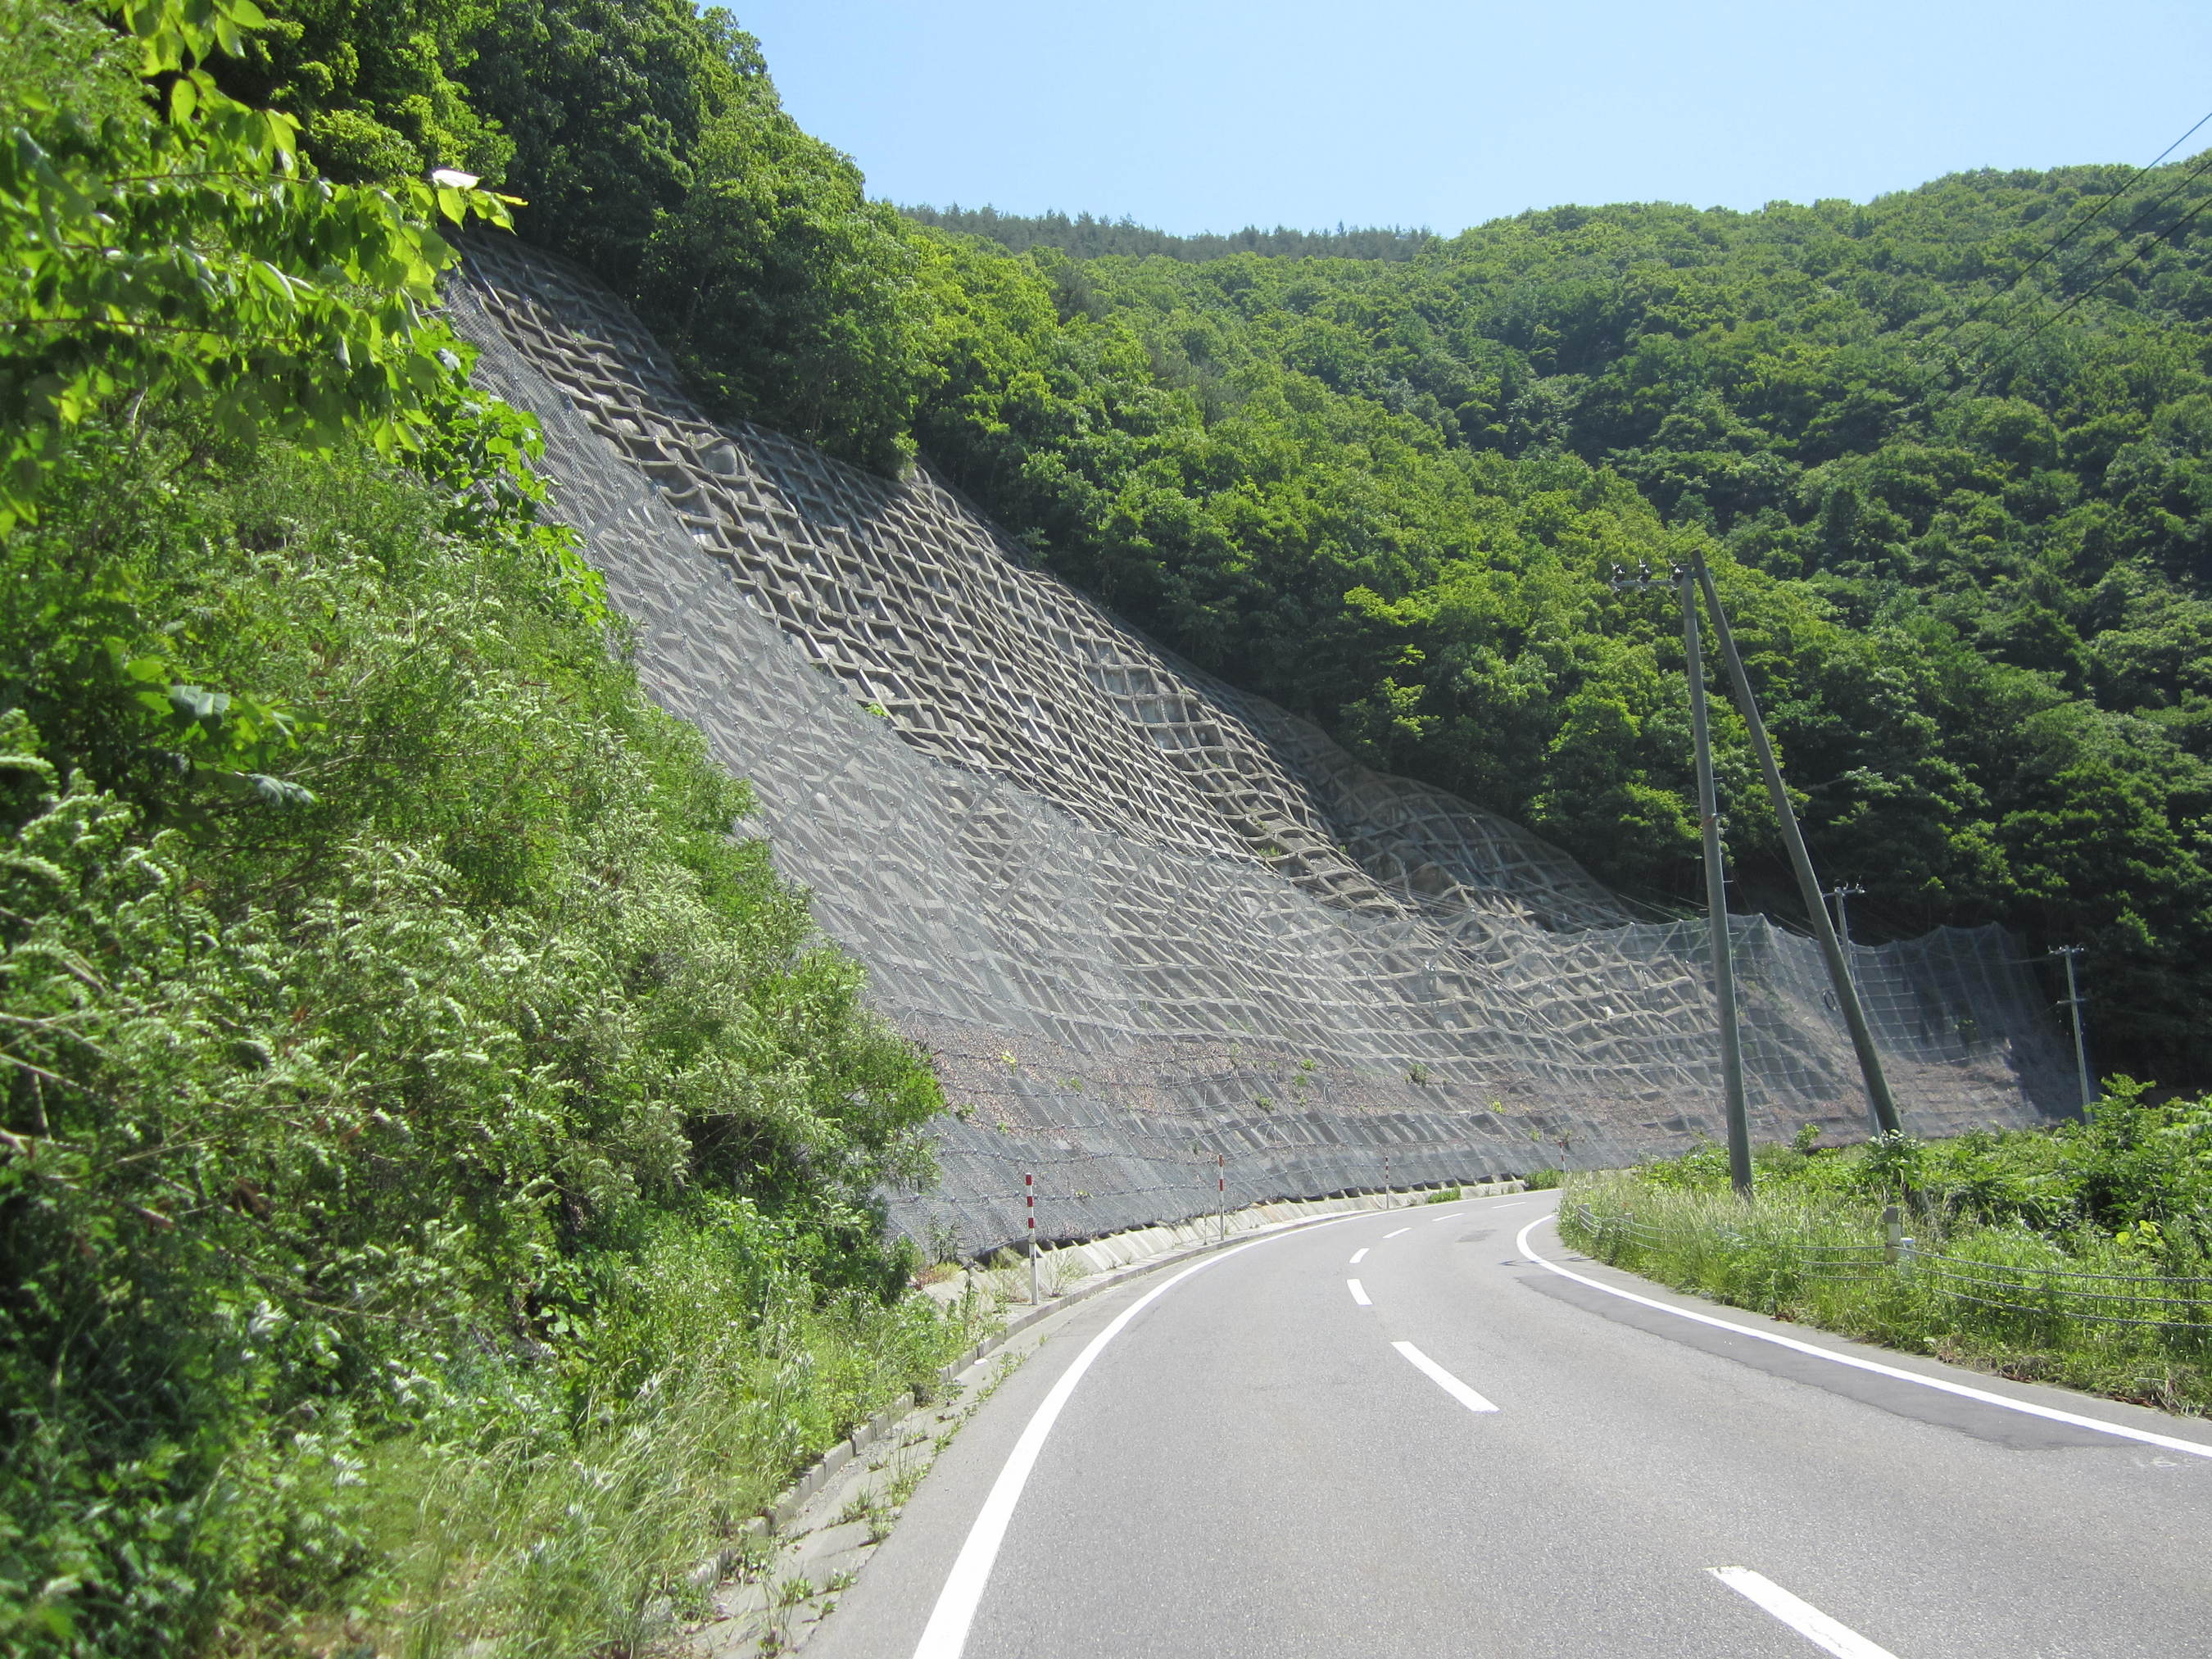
x=1144 y=919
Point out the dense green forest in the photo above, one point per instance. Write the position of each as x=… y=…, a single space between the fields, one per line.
x=1087 y=238
x=1961 y=524
x=1946 y=449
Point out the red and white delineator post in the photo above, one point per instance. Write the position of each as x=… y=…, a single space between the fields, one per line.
x=1028 y=1188
x=1221 y=1195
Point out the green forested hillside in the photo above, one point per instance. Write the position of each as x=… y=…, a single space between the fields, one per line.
x=1087 y=238
x=1954 y=482
x=1965 y=527
x=1962 y=517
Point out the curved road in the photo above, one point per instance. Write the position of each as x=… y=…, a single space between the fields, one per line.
x=1448 y=1446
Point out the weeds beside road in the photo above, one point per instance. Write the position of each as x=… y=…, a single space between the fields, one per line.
x=2075 y=1256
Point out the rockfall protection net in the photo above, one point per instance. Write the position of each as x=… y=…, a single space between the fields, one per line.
x=1144 y=920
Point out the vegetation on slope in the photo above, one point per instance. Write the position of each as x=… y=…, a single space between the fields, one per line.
x=2000 y=1223
x=1087 y=238
x=1961 y=520
x=1389 y=494
x=436 y=1165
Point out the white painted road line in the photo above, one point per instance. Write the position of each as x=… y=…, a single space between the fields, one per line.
x=1943 y=1385
x=1808 y=1620
x=1358 y=1292
x=945 y=1636
x=1443 y=1379
x=1358 y=1256
x=1402 y=1229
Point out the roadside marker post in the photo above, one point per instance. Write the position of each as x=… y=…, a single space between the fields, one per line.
x=1029 y=1190
x=1221 y=1195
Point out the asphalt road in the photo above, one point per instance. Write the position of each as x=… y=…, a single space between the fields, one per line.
x=1254 y=1464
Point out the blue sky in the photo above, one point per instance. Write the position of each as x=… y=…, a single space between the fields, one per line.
x=1210 y=114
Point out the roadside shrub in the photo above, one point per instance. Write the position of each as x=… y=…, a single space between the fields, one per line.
x=398 y=1048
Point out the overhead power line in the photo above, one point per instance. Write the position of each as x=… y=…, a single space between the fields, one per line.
x=2133 y=260
x=2058 y=243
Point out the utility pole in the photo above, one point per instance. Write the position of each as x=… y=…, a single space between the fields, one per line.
x=1881 y=1109
x=1842 y=892
x=2074 y=1005
x=1717 y=919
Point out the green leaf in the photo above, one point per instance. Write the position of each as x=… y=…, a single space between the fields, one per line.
x=193 y=702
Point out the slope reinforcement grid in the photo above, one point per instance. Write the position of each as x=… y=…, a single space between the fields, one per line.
x=1154 y=929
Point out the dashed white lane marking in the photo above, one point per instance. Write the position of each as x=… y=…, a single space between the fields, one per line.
x=945 y=1636
x=1358 y=1292
x=2051 y=1413
x=1358 y=1256
x=1443 y=1379
x=1402 y=1229
x=1808 y=1620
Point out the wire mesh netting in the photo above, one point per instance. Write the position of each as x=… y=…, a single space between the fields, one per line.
x=1145 y=921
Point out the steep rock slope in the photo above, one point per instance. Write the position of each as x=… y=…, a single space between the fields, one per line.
x=1147 y=922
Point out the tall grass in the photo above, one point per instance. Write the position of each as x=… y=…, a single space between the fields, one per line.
x=551 y=1532
x=1815 y=1257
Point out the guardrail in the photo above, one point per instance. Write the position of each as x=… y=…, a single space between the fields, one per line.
x=2157 y=1302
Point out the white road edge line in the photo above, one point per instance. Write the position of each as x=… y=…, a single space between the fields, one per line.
x=1808 y=1620
x=1443 y=1379
x=1358 y=1292
x=945 y=1636
x=2051 y=1413
x=1358 y=1256
x=1402 y=1229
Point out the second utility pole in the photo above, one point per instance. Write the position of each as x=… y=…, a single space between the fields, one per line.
x=2073 y=1006
x=1881 y=1107
x=1709 y=812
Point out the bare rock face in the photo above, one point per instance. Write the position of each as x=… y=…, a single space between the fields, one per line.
x=1159 y=933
